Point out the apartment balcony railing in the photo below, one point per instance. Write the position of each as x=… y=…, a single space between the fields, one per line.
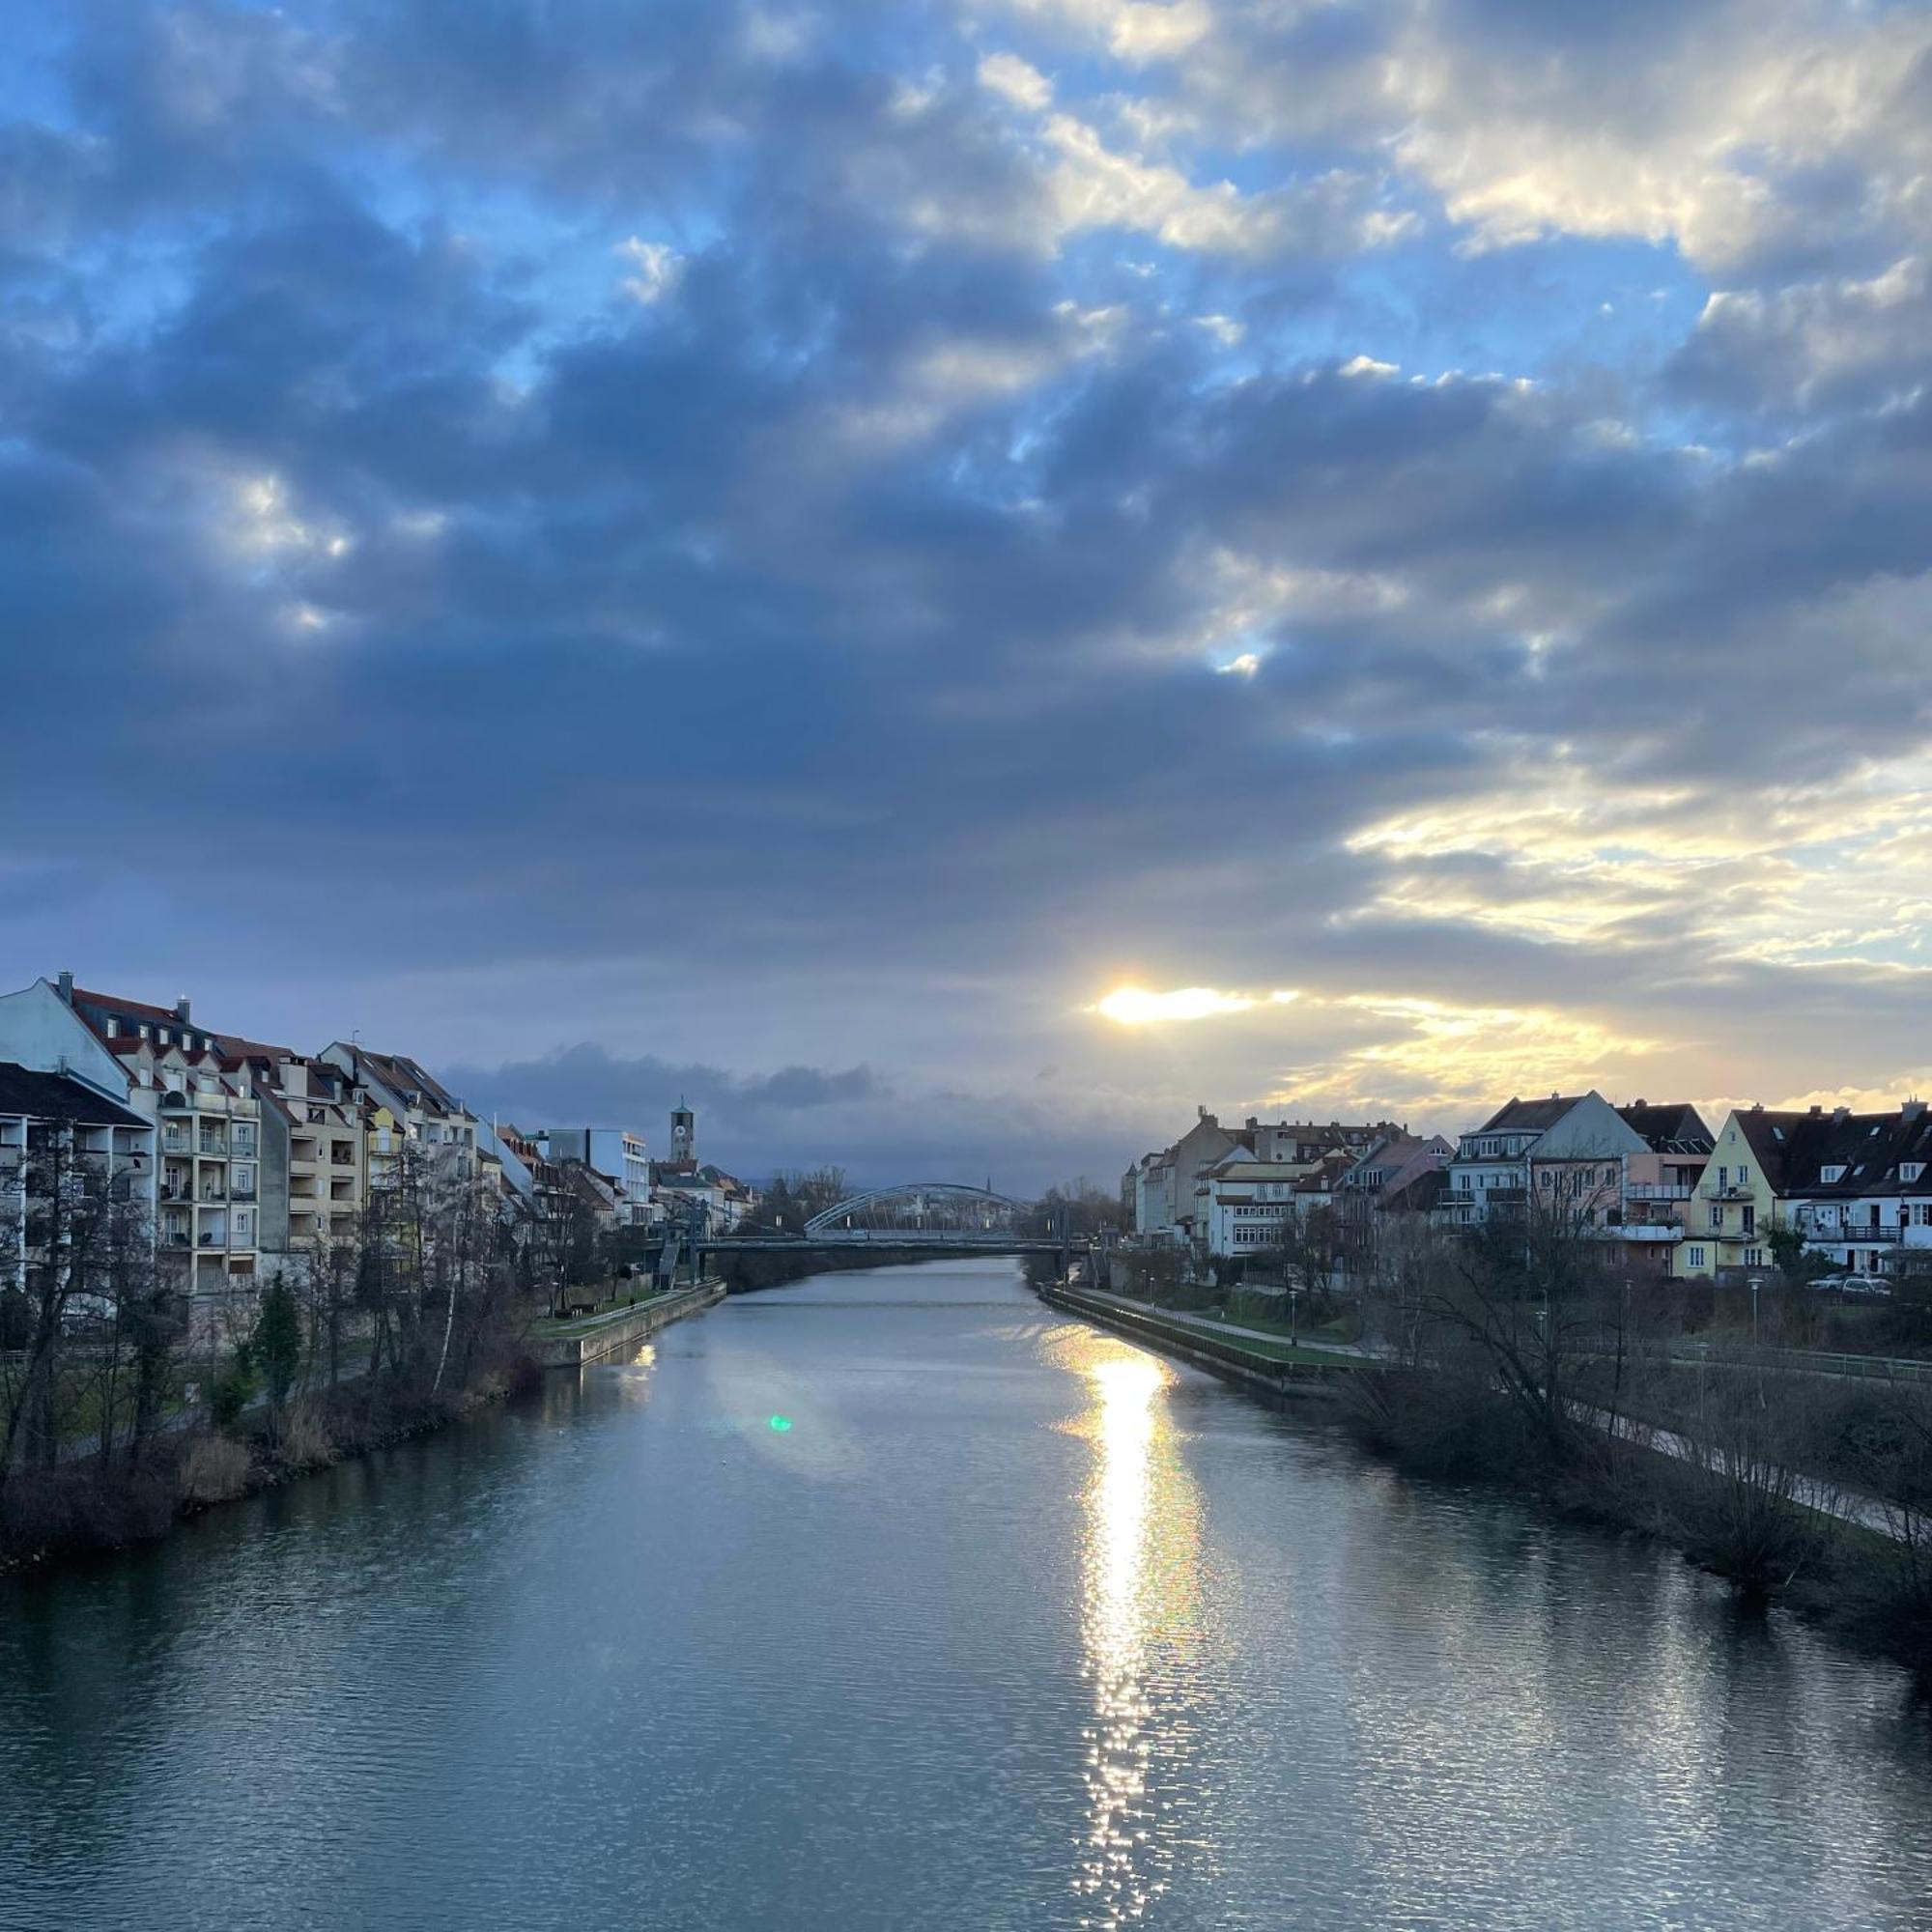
x=173 y=1142
x=213 y=1241
x=1857 y=1233
x=174 y=1237
x=213 y=1194
x=1729 y=1193
x=1655 y=1191
x=241 y=1194
x=214 y=1149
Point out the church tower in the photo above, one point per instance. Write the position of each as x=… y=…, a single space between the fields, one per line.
x=683 y=1135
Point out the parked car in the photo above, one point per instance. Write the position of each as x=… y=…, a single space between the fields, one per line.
x=1867 y=1285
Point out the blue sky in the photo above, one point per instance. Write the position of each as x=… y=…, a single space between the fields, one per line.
x=792 y=552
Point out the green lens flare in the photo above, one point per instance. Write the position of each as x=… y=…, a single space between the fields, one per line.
x=780 y=1423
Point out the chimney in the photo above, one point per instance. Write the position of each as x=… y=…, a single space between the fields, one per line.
x=65 y=989
x=1912 y=1109
x=1253 y=1122
x=1639 y=1102
x=1840 y=1115
x=1200 y=1113
x=181 y=1009
x=1817 y=1112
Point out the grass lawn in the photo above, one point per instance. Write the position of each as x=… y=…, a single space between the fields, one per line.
x=633 y=1296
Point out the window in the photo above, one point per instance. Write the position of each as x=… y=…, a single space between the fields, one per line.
x=1754 y=1258
x=1696 y=1258
x=1717 y=1220
x=1750 y=1220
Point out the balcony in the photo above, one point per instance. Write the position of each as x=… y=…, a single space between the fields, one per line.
x=1729 y=1193
x=1853 y=1235
x=1654 y=1190
x=241 y=1193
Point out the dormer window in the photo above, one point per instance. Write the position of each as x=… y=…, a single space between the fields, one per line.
x=1836 y=1172
x=1911 y=1170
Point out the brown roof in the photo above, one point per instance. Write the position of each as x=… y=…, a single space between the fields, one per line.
x=1794 y=1149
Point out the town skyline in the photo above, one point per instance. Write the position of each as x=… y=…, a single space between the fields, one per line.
x=798 y=1116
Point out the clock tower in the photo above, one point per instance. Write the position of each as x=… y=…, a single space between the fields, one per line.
x=683 y=1136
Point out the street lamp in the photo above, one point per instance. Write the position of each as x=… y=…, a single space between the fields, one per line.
x=1294 y=1296
x=1755 y=1284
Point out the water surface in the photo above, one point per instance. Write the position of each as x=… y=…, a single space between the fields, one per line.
x=892 y=1600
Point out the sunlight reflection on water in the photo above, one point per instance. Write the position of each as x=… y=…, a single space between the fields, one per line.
x=1139 y=1592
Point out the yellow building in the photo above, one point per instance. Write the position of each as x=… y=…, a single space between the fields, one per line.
x=1729 y=1213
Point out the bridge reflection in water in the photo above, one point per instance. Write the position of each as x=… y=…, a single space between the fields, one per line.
x=1140 y=1596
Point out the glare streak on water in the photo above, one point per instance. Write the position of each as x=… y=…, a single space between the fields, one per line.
x=1013 y=1626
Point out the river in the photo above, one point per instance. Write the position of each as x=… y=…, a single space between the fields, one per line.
x=892 y=1600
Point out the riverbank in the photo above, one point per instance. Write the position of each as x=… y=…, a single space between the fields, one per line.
x=86 y=1507
x=1276 y=1371
x=570 y=1345
x=1776 y=1535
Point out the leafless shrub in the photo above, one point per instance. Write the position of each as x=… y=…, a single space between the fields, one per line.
x=1753 y=1512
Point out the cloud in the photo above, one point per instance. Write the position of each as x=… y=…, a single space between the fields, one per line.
x=590 y=520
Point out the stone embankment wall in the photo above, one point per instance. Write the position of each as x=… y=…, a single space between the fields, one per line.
x=606 y=1335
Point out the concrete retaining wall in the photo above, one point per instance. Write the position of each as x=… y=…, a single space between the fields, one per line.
x=1275 y=1381
x=622 y=1329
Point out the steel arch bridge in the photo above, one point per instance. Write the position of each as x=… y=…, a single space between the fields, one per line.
x=922 y=1213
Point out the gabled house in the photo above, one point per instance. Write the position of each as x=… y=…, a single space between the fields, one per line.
x=1855 y=1184
x=405 y=1106
x=1616 y=1175
x=1559 y=1153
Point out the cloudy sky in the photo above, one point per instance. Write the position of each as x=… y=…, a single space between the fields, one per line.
x=957 y=579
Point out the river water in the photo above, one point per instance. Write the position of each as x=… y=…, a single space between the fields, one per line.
x=891 y=1600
